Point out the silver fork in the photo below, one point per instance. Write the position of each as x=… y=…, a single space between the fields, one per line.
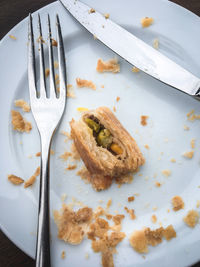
x=47 y=112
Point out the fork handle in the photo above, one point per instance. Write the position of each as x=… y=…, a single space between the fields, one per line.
x=43 y=237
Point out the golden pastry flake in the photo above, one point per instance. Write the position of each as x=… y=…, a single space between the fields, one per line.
x=156 y=44
x=111 y=65
x=130 y=199
x=166 y=173
x=47 y=72
x=32 y=179
x=192 y=143
x=177 y=203
x=71 y=167
x=153 y=218
x=169 y=232
x=63 y=254
x=19 y=123
x=188 y=155
x=192 y=218
x=146 y=22
x=65 y=156
x=135 y=69
x=21 y=103
x=85 y=83
x=15 y=179
x=92 y=10
x=12 y=37
x=54 y=42
x=143 y=120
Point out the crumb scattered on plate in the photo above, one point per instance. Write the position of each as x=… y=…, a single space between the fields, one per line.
x=70 y=91
x=177 y=203
x=166 y=173
x=12 y=37
x=38 y=154
x=186 y=128
x=22 y=104
x=63 y=254
x=153 y=218
x=173 y=160
x=32 y=179
x=85 y=83
x=188 y=154
x=146 y=22
x=157 y=184
x=198 y=204
x=92 y=10
x=118 y=98
x=82 y=109
x=156 y=44
x=107 y=16
x=65 y=155
x=131 y=212
x=71 y=167
x=192 y=218
x=135 y=69
x=111 y=65
x=72 y=226
x=15 y=179
x=52 y=152
x=19 y=123
x=191 y=116
x=192 y=143
x=130 y=199
x=56 y=65
x=114 y=109
x=54 y=42
x=47 y=72
x=143 y=120
x=146 y=146
x=140 y=239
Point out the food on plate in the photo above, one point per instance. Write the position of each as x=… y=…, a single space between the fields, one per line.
x=192 y=143
x=85 y=83
x=153 y=218
x=146 y=22
x=156 y=43
x=192 y=218
x=32 y=179
x=191 y=116
x=54 y=42
x=63 y=254
x=22 y=104
x=177 y=203
x=186 y=128
x=19 y=123
x=107 y=15
x=82 y=109
x=47 y=72
x=12 y=37
x=166 y=173
x=140 y=239
x=188 y=154
x=143 y=120
x=131 y=212
x=130 y=199
x=135 y=69
x=71 y=167
x=15 y=179
x=118 y=98
x=106 y=148
x=70 y=91
x=92 y=10
x=173 y=160
x=111 y=65
x=72 y=226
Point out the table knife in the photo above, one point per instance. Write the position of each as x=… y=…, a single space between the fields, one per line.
x=134 y=50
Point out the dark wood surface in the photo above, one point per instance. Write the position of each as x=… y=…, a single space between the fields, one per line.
x=12 y=12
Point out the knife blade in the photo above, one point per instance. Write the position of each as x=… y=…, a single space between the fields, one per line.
x=132 y=49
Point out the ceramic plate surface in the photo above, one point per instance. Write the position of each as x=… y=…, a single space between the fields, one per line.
x=178 y=32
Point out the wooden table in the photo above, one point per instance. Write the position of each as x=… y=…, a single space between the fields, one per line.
x=12 y=12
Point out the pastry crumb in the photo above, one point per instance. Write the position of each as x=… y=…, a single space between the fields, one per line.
x=198 y=204
x=70 y=91
x=118 y=98
x=54 y=42
x=186 y=128
x=71 y=167
x=192 y=143
x=107 y=15
x=177 y=203
x=63 y=254
x=138 y=241
x=15 y=179
x=188 y=154
x=143 y=120
x=169 y=232
x=65 y=156
x=38 y=154
x=12 y=37
x=47 y=72
x=192 y=218
x=156 y=44
x=154 y=208
x=56 y=65
x=19 y=123
x=72 y=226
x=32 y=179
x=111 y=65
x=157 y=184
x=109 y=203
x=92 y=10
x=86 y=256
x=173 y=160
x=82 y=109
x=130 y=199
x=125 y=179
x=146 y=146
x=52 y=152
x=131 y=212
x=85 y=83
x=166 y=173
x=153 y=218
x=22 y=104
x=114 y=109
x=192 y=117
x=135 y=69
x=146 y=22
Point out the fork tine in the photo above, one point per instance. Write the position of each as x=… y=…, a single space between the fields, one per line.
x=51 y=65
x=41 y=57
x=31 y=59
x=61 y=59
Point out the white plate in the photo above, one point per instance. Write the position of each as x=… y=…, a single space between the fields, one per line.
x=178 y=31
